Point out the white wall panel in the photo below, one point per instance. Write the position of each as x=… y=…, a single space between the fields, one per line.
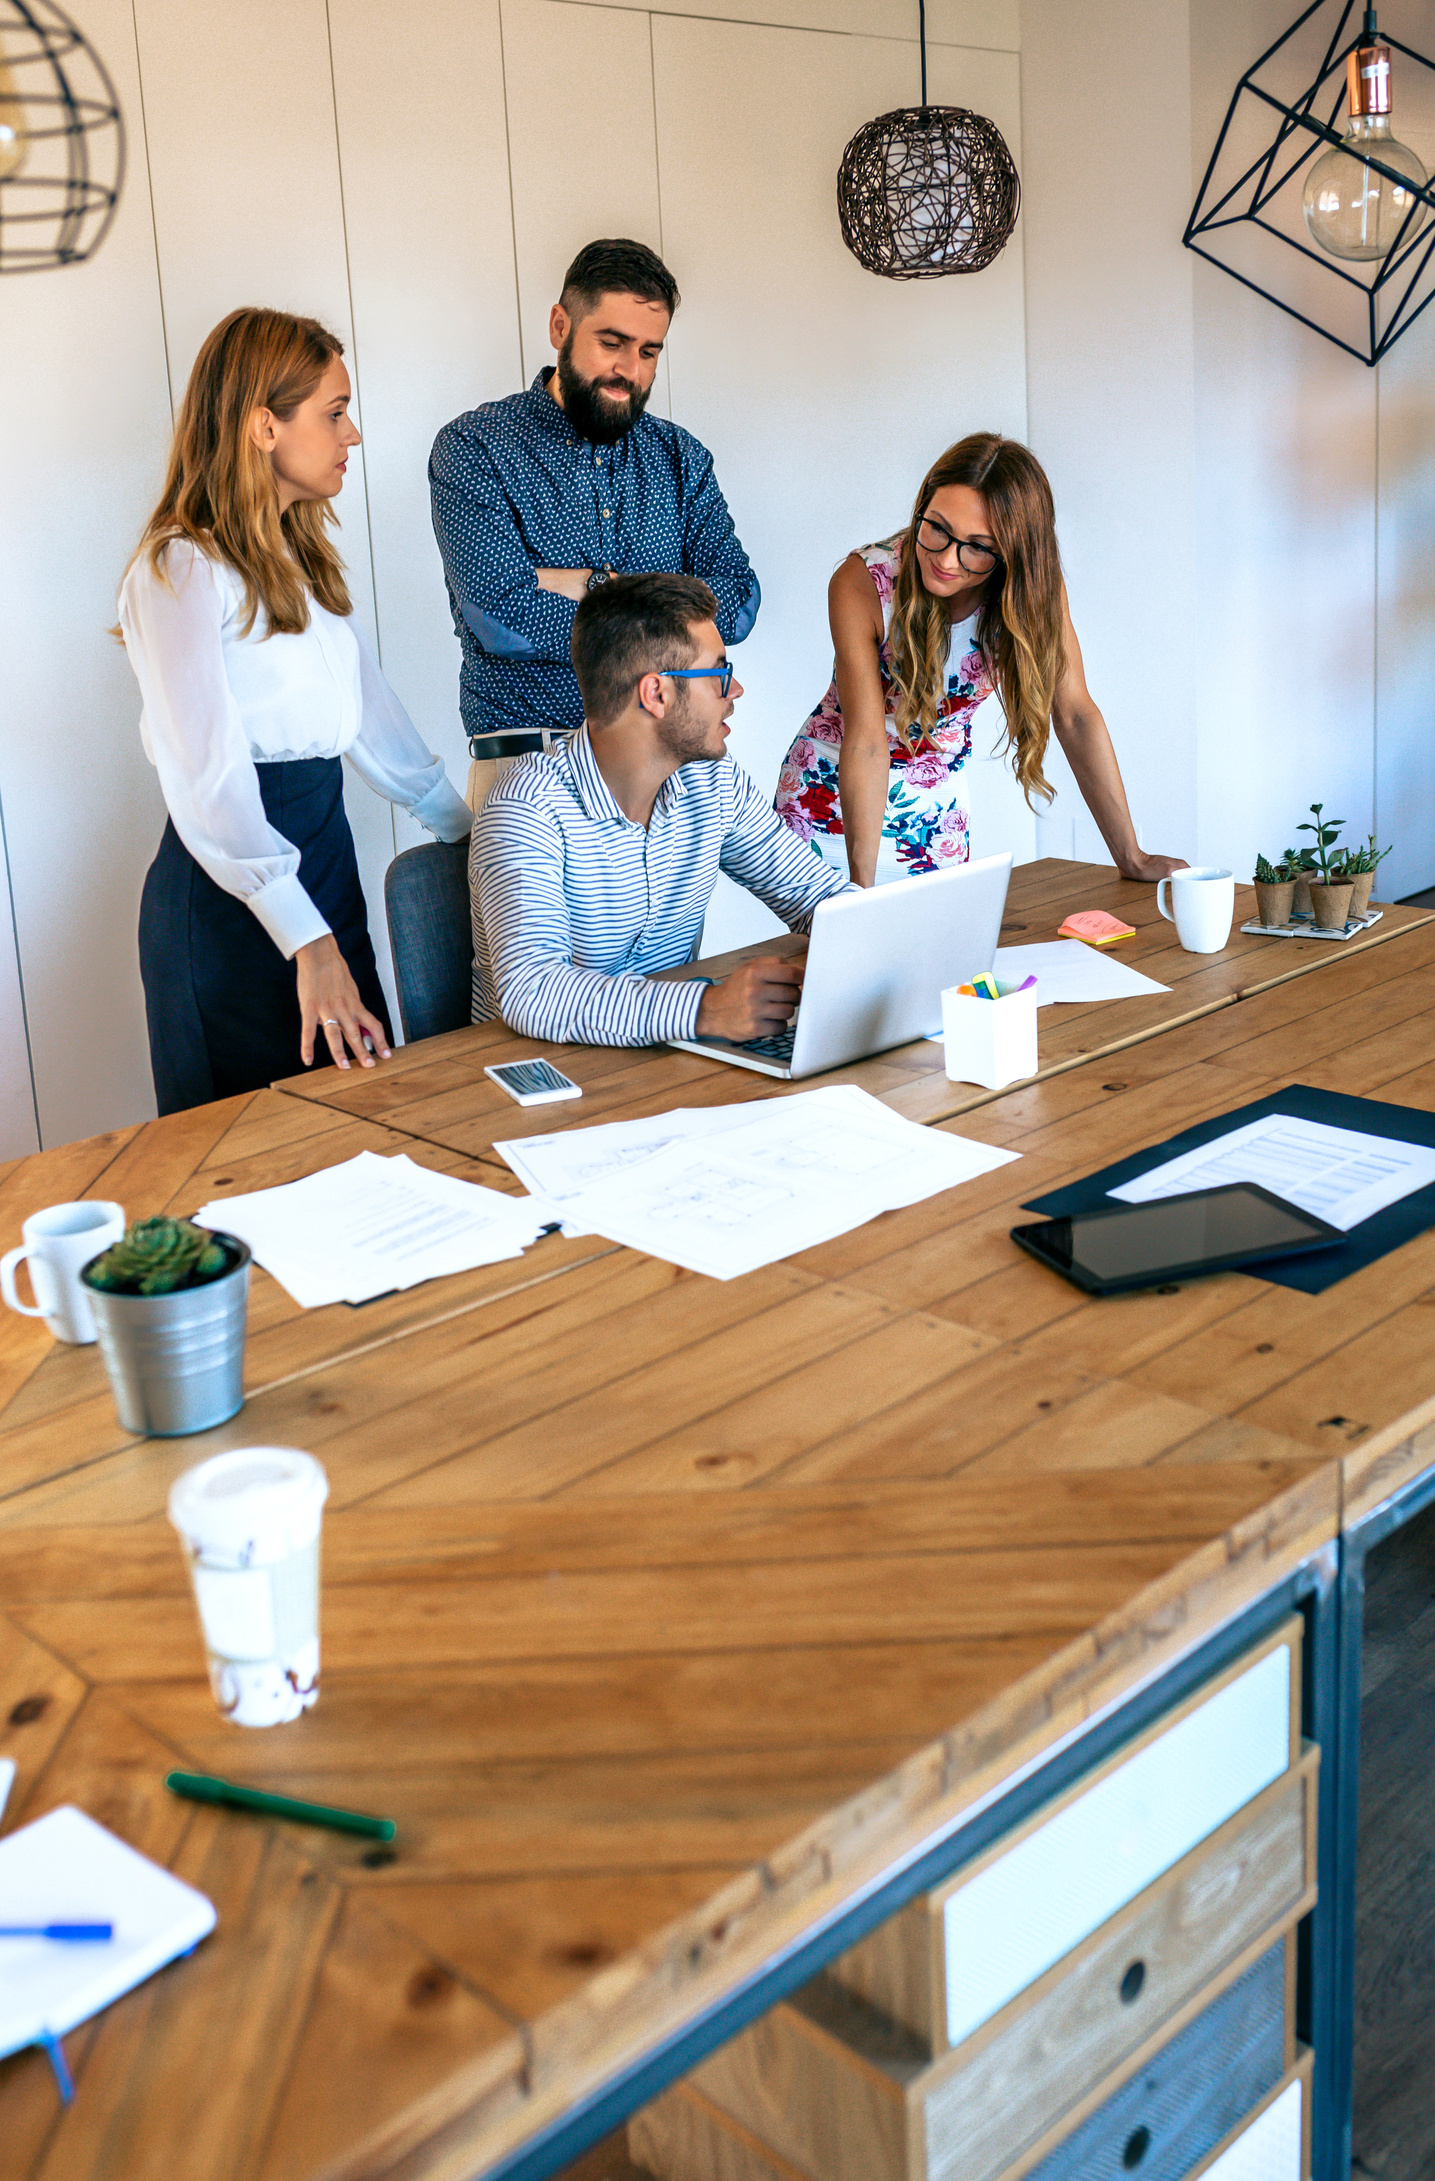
x=949 y=22
x=582 y=148
x=423 y=146
x=84 y=419
x=823 y=392
x=1284 y=653
x=244 y=170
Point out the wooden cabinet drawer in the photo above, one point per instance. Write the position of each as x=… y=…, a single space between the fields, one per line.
x=845 y=2093
x=1274 y=2144
x=952 y=1960
x=1185 y=2100
x=683 y=2136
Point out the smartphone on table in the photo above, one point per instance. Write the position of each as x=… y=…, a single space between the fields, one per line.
x=533 y=1082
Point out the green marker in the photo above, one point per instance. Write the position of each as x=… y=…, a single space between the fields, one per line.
x=196 y=1788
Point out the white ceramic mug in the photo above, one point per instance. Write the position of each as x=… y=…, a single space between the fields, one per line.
x=1203 y=902
x=57 y=1242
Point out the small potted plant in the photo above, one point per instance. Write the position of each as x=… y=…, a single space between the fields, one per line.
x=1330 y=890
x=1275 y=890
x=1300 y=862
x=1360 y=865
x=170 y=1300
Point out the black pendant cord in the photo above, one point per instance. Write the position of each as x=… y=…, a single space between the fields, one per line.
x=922 y=33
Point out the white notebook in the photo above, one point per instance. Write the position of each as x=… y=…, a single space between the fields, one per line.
x=67 y=1869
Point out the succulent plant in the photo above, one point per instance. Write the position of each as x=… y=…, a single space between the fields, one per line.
x=155 y=1256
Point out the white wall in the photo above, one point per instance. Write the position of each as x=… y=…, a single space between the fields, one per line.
x=419 y=178
x=1245 y=511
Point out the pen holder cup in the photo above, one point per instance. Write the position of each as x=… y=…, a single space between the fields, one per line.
x=991 y=1042
x=249 y=1524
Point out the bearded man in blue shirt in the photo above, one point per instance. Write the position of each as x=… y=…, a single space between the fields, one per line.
x=540 y=498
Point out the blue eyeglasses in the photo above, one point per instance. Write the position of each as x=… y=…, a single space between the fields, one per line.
x=721 y=674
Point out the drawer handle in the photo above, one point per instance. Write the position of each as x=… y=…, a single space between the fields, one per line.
x=1131 y=1985
x=1138 y=2143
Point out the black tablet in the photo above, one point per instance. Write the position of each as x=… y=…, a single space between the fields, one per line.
x=1117 y=1246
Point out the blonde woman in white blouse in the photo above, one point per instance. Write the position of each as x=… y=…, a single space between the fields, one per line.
x=254 y=942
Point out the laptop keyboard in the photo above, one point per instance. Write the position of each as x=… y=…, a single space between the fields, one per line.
x=771 y=1048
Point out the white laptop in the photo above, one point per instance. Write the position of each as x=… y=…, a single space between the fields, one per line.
x=878 y=962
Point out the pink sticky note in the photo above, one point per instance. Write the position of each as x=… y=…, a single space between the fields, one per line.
x=1096 y=926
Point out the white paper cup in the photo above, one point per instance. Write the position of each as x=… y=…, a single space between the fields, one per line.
x=1203 y=902
x=249 y=1521
x=991 y=1042
x=57 y=1242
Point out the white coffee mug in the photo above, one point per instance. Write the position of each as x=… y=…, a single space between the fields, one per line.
x=1203 y=902
x=57 y=1242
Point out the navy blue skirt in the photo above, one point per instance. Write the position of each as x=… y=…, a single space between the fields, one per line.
x=222 y=1002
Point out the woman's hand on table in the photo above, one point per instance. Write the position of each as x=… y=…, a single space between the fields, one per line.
x=329 y=1002
x=1151 y=868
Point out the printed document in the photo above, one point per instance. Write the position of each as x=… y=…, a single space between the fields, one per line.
x=373 y=1224
x=1340 y=1174
x=798 y=1171
x=1067 y=969
x=560 y=1167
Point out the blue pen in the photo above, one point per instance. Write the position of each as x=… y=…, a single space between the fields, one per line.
x=55 y=2054
x=72 y=1933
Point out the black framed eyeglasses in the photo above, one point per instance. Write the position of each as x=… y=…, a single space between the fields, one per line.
x=722 y=675
x=935 y=537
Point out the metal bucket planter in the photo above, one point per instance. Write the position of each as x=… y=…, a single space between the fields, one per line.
x=176 y=1362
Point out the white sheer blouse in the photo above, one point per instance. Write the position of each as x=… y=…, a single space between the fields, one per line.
x=217 y=703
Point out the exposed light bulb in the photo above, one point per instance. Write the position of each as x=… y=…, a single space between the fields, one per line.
x=14 y=137
x=1350 y=209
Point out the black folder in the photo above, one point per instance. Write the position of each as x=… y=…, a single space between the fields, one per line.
x=1373 y=1238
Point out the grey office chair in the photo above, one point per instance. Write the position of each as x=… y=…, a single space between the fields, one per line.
x=431 y=933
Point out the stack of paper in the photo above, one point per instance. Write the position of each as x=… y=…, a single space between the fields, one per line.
x=371 y=1225
x=1342 y=1175
x=725 y=1190
x=1066 y=970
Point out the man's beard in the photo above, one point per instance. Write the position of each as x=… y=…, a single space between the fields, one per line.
x=592 y=415
x=683 y=737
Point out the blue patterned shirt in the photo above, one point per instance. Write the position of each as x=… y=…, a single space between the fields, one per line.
x=515 y=489
x=575 y=906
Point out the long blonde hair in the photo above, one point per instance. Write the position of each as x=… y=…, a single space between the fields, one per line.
x=1020 y=629
x=219 y=487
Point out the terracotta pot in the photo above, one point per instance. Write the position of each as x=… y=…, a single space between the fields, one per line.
x=1331 y=903
x=1300 y=906
x=1273 y=903
x=1360 y=898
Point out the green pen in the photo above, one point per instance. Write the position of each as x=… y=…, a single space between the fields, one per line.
x=195 y=1787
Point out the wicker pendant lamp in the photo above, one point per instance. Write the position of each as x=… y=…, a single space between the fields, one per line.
x=927 y=190
x=62 y=140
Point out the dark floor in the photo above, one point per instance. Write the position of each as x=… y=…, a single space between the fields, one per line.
x=1395 y=1868
x=1419 y=901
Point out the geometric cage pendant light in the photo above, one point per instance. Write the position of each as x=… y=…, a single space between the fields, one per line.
x=1310 y=198
x=62 y=140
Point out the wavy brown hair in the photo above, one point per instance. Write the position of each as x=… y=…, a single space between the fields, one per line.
x=219 y=488
x=1020 y=630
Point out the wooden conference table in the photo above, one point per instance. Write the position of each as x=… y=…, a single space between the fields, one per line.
x=668 y=1617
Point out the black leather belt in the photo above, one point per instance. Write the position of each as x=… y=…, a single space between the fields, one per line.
x=516 y=745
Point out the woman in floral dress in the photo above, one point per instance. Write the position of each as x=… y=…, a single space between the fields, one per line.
x=969 y=598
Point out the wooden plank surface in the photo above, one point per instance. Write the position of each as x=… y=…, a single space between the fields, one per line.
x=437 y=1090
x=58 y=1417
x=661 y=1613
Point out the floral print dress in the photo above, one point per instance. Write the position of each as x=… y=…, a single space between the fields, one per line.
x=925 y=827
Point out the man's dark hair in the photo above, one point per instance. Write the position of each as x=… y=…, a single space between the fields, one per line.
x=616 y=267
x=633 y=626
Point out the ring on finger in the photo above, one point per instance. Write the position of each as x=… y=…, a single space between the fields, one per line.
x=331 y=1022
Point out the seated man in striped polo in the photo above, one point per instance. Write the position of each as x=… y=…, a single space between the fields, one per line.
x=592 y=865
